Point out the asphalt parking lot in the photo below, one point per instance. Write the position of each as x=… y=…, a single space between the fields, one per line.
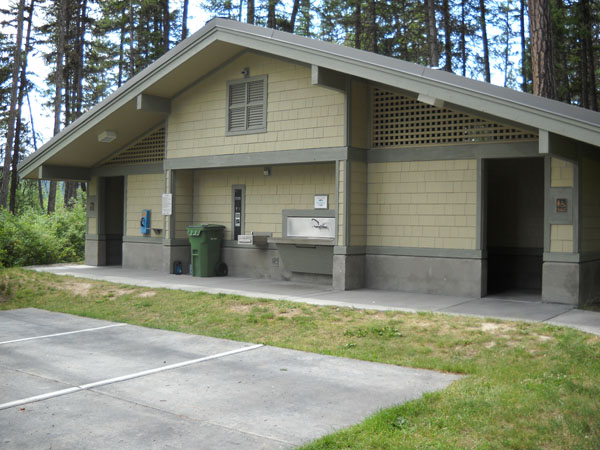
x=73 y=382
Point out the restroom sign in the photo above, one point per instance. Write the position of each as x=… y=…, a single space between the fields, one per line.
x=561 y=205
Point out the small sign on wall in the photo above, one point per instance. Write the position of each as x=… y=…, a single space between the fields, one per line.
x=321 y=201
x=561 y=205
x=167 y=204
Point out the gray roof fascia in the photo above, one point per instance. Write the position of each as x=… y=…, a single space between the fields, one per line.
x=126 y=93
x=542 y=113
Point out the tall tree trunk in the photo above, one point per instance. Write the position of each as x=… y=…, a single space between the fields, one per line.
x=271 y=13
x=524 y=71
x=588 y=70
x=542 y=58
x=184 y=18
x=357 y=23
x=432 y=41
x=463 y=38
x=447 y=36
x=121 y=70
x=132 y=52
x=373 y=38
x=484 y=37
x=295 y=8
x=14 y=182
x=250 y=12
x=12 y=111
x=81 y=30
x=166 y=24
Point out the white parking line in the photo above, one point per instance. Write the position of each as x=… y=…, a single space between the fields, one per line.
x=63 y=334
x=144 y=373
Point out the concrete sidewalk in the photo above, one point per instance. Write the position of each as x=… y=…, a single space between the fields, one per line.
x=512 y=308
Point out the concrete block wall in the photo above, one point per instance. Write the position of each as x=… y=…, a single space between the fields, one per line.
x=299 y=115
x=288 y=187
x=144 y=192
x=424 y=204
x=590 y=206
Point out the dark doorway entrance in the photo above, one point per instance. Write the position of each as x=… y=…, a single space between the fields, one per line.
x=515 y=225
x=114 y=199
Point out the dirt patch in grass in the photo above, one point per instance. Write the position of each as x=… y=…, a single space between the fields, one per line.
x=146 y=294
x=79 y=288
x=496 y=328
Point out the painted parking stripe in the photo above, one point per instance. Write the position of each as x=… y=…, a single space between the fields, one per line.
x=63 y=334
x=131 y=376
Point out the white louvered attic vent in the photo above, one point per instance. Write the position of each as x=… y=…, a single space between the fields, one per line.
x=149 y=149
x=399 y=121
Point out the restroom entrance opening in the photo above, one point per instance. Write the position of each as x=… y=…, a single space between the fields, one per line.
x=514 y=225
x=114 y=199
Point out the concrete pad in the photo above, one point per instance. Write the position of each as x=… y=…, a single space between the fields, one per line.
x=281 y=394
x=507 y=309
x=390 y=300
x=28 y=322
x=89 y=420
x=582 y=320
x=264 y=398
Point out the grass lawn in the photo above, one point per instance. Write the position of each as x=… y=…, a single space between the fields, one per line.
x=529 y=385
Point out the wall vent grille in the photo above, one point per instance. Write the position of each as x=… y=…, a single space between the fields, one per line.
x=148 y=149
x=399 y=121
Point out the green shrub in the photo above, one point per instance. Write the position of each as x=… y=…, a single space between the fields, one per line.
x=33 y=238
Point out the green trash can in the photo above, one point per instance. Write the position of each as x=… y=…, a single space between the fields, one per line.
x=205 y=241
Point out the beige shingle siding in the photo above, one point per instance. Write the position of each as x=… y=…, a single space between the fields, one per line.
x=341 y=207
x=424 y=204
x=562 y=173
x=183 y=202
x=358 y=203
x=561 y=238
x=288 y=187
x=299 y=115
x=590 y=206
x=144 y=192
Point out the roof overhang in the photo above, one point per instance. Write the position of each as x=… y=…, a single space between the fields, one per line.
x=143 y=102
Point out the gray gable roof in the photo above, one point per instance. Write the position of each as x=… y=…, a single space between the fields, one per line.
x=221 y=39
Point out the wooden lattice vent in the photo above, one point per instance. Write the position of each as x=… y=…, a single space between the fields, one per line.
x=148 y=149
x=401 y=122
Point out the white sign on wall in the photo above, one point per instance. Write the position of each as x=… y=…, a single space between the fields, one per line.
x=321 y=201
x=167 y=204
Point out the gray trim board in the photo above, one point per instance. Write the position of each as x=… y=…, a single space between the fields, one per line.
x=576 y=207
x=357 y=154
x=143 y=240
x=337 y=199
x=179 y=242
x=153 y=103
x=425 y=252
x=347 y=204
x=127 y=169
x=349 y=250
x=307 y=156
x=517 y=149
x=480 y=207
x=571 y=257
x=547 y=178
x=125 y=180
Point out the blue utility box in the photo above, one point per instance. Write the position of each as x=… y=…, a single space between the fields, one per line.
x=145 y=222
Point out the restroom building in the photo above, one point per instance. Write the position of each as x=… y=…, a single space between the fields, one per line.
x=336 y=166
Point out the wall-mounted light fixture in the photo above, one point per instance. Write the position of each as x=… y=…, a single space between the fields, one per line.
x=107 y=136
x=267 y=171
x=246 y=72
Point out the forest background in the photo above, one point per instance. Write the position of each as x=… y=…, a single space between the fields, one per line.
x=91 y=47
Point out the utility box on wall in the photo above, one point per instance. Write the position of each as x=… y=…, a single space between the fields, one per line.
x=145 y=222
